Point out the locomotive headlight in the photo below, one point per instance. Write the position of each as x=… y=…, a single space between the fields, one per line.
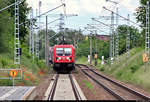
x=68 y=58
x=58 y=58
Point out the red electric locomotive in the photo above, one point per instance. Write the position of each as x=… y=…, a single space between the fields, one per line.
x=63 y=57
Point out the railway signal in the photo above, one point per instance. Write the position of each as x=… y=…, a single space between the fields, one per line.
x=145 y=58
x=13 y=74
x=86 y=38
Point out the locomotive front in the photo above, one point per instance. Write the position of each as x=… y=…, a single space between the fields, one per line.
x=64 y=57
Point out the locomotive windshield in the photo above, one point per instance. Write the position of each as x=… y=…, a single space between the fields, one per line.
x=63 y=51
x=67 y=51
x=59 y=51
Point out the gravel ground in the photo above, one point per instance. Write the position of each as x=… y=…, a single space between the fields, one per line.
x=43 y=85
x=94 y=93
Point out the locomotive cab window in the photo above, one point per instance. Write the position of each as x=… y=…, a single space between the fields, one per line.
x=63 y=51
x=68 y=51
x=59 y=51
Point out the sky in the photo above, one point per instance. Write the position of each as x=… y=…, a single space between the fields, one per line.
x=85 y=9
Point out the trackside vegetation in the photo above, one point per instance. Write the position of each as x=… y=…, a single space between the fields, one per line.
x=131 y=70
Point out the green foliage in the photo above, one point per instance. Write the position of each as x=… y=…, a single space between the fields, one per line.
x=23 y=12
x=134 y=68
x=4 y=63
x=141 y=17
x=6 y=28
x=130 y=70
x=71 y=37
x=102 y=68
x=141 y=13
x=88 y=84
x=84 y=48
x=135 y=38
x=81 y=60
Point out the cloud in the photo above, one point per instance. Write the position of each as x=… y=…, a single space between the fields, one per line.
x=85 y=8
x=92 y=6
x=82 y=6
x=130 y=5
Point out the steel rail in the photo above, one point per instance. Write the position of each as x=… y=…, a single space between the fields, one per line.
x=120 y=85
x=102 y=85
x=76 y=93
x=123 y=86
x=52 y=92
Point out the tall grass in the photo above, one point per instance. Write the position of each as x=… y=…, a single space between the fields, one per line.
x=131 y=70
x=28 y=65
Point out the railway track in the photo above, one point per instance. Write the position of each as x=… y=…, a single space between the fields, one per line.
x=64 y=88
x=119 y=91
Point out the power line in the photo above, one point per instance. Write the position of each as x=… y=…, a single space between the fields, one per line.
x=42 y=14
x=100 y=22
x=18 y=2
x=97 y=28
x=121 y=16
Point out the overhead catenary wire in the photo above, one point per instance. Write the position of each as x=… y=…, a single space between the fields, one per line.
x=19 y=2
x=121 y=16
x=43 y=14
x=100 y=22
x=97 y=28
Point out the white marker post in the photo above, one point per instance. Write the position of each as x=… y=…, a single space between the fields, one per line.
x=102 y=60
x=88 y=58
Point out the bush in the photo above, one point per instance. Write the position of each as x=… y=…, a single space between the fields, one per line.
x=102 y=68
x=4 y=62
x=118 y=75
x=134 y=68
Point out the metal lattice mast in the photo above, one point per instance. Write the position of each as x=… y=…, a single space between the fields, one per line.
x=16 y=35
x=91 y=47
x=95 y=47
x=32 y=36
x=61 y=25
x=147 y=30
x=113 y=35
x=112 y=38
x=117 y=37
x=37 y=36
x=128 y=38
x=31 y=32
x=110 y=45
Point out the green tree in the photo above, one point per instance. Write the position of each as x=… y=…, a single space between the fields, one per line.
x=135 y=37
x=6 y=28
x=141 y=17
x=23 y=12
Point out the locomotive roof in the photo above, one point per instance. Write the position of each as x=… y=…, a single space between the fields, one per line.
x=64 y=46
